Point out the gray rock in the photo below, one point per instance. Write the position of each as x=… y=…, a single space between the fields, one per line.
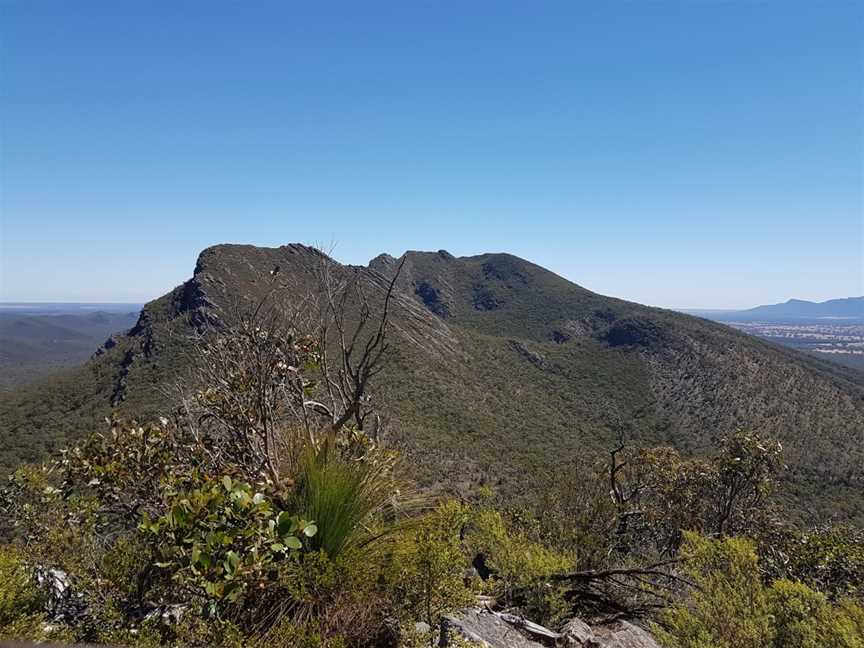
x=168 y=614
x=578 y=633
x=492 y=629
x=60 y=604
x=623 y=634
x=489 y=630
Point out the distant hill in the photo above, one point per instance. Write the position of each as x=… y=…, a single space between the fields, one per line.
x=38 y=339
x=832 y=330
x=499 y=371
x=850 y=308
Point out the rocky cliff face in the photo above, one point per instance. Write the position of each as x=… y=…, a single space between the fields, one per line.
x=499 y=368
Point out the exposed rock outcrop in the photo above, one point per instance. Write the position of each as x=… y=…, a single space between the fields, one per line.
x=500 y=630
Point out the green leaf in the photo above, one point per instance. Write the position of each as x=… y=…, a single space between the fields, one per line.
x=293 y=543
x=277 y=546
x=226 y=482
x=232 y=562
x=285 y=524
x=310 y=530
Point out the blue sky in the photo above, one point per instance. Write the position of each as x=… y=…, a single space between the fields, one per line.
x=682 y=154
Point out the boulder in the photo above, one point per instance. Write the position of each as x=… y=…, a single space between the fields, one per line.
x=578 y=633
x=494 y=630
x=491 y=629
x=623 y=634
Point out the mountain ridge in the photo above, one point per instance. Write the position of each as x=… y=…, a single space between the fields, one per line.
x=840 y=308
x=493 y=356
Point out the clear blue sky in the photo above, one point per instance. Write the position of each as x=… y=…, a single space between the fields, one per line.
x=689 y=154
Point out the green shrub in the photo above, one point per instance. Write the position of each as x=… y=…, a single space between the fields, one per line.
x=800 y=615
x=429 y=565
x=224 y=537
x=829 y=559
x=804 y=618
x=20 y=603
x=290 y=634
x=349 y=496
x=520 y=566
x=336 y=598
x=730 y=607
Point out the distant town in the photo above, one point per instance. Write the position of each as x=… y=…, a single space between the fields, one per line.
x=843 y=343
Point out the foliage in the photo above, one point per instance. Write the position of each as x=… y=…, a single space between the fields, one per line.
x=340 y=599
x=350 y=488
x=224 y=537
x=21 y=609
x=429 y=566
x=290 y=634
x=518 y=563
x=731 y=607
x=637 y=504
x=726 y=494
x=202 y=544
x=828 y=558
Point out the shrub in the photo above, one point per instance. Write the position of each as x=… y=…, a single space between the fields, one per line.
x=828 y=558
x=730 y=607
x=337 y=599
x=520 y=566
x=429 y=566
x=21 y=614
x=349 y=495
x=223 y=537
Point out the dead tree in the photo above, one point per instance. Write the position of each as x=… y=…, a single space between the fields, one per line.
x=353 y=342
x=630 y=591
x=286 y=363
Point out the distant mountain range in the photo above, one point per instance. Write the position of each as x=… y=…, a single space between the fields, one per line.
x=38 y=339
x=849 y=308
x=499 y=371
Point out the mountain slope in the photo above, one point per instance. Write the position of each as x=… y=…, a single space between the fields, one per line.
x=498 y=370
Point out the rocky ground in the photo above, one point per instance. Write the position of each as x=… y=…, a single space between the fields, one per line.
x=500 y=630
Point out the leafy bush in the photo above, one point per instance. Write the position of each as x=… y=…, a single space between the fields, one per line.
x=21 y=615
x=519 y=566
x=195 y=556
x=428 y=578
x=828 y=558
x=726 y=494
x=223 y=537
x=730 y=607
